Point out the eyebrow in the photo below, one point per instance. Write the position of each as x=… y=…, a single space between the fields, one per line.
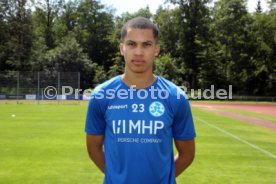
x=131 y=41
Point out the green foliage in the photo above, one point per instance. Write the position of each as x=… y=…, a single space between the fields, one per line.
x=259 y=7
x=200 y=45
x=69 y=56
x=263 y=59
x=93 y=29
x=167 y=21
x=38 y=54
x=143 y=12
x=46 y=13
x=166 y=67
x=16 y=34
x=118 y=67
x=121 y=20
x=230 y=28
x=192 y=19
x=100 y=76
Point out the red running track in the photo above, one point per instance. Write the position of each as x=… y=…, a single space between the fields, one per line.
x=269 y=109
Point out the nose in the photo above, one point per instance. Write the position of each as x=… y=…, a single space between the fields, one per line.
x=138 y=51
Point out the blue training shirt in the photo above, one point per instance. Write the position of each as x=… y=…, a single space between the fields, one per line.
x=139 y=127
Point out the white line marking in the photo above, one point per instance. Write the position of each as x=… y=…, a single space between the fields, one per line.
x=238 y=138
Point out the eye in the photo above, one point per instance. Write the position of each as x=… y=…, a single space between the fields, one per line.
x=131 y=44
x=147 y=44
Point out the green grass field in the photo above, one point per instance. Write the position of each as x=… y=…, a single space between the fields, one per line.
x=46 y=144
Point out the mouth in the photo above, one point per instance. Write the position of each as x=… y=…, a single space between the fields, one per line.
x=137 y=61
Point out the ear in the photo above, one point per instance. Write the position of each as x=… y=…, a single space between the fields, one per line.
x=121 y=47
x=157 y=49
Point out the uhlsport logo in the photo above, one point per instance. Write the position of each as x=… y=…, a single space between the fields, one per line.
x=156 y=109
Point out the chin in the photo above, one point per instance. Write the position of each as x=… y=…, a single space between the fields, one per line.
x=139 y=71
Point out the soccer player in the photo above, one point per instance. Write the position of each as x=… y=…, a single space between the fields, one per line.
x=134 y=118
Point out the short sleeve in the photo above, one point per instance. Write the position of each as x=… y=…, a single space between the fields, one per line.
x=183 y=125
x=95 y=121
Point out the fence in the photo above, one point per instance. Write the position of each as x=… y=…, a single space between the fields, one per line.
x=31 y=85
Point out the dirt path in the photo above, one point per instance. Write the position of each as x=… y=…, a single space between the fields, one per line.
x=268 y=109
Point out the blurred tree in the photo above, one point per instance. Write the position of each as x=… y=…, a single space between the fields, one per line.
x=93 y=29
x=259 y=7
x=45 y=15
x=4 y=36
x=193 y=20
x=66 y=21
x=271 y=4
x=166 y=67
x=100 y=76
x=68 y=56
x=118 y=66
x=87 y=25
x=16 y=35
x=230 y=27
x=169 y=29
x=199 y=44
x=121 y=20
x=262 y=78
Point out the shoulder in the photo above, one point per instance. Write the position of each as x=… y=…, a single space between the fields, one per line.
x=176 y=96
x=109 y=84
x=99 y=97
x=173 y=90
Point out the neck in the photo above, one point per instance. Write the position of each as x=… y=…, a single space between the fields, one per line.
x=139 y=80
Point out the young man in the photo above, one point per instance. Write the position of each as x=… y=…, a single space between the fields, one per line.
x=133 y=118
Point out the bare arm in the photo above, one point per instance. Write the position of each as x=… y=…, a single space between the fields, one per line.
x=185 y=155
x=94 y=145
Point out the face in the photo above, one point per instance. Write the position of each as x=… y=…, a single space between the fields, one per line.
x=139 y=49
